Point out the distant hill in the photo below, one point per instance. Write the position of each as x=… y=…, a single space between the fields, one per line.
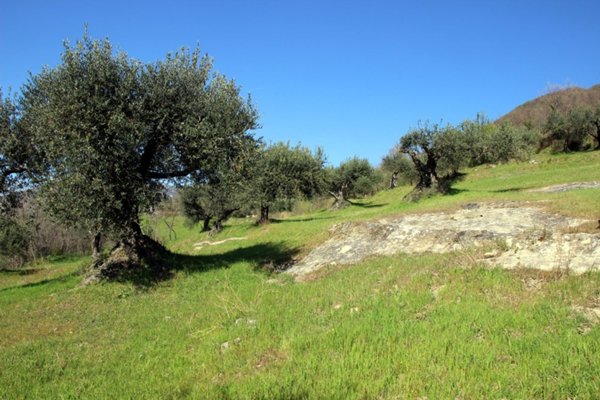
x=536 y=111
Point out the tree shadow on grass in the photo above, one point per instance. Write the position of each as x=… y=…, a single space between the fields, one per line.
x=262 y=254
x=20 y=271
x=445 y=183
x=266 y=257
x=454 y=191
x=508 y=190
x=60 y=278
x=278 y=221
x=367 y=204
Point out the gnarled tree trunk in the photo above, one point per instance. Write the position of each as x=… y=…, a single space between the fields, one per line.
x=394 y=180
x=135 y=257
x=340 y=197
x=206 y=224
x=96 y=242
x=218 y=226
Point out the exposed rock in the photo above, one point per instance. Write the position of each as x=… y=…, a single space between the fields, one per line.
x=591 y=316
x=567 y=186
x=490 y=254
x=525 y=235
x=224 y=347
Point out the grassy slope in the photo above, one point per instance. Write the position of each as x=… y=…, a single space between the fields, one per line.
x=393 y=327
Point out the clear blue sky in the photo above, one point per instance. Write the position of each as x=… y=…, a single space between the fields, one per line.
x=350 y=76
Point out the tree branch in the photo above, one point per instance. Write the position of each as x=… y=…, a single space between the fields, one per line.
x=170 y=174
x=8 y=172
x=147 y=157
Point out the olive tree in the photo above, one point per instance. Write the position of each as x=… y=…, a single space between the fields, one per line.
x=114 y=129
x=436 y=152
x=594 y=132
x=353 y=178
x=399 y=166
x=220 y=194
x=286 y=173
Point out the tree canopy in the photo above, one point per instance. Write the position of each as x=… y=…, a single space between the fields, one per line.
x=19 y=154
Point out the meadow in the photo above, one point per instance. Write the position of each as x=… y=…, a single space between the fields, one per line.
x=225 y=325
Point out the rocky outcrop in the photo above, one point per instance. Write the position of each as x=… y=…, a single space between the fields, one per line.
x=522 y=235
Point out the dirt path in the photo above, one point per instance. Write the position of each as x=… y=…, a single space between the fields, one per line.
x=199 y=245
x=522 y=234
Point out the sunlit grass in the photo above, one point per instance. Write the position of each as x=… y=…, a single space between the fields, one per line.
x=436 y=326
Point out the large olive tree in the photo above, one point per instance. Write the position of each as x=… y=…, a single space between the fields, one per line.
x=113 y=129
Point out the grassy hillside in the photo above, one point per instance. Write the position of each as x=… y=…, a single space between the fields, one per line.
x=435 y=326
x=536 y=111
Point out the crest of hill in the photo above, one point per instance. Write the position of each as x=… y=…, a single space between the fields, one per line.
x=535 y=112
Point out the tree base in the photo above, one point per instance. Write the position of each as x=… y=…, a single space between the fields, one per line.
x=338 y=204
x=419 y=193
x=141 y=260
x=438 y=186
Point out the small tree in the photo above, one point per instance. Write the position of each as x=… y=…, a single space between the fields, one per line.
x=400 y=168
x=477 y=137
x=286 y=173
x=354 y=177
x=487 y=142
x=194 y=206
x=113 y=129
x=219 y=195
x=569 y=130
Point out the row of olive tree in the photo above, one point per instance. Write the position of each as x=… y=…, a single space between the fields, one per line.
x=277 y=174
x=431 y=154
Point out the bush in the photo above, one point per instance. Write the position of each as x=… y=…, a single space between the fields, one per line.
x=27 y=233
x=487 y=142
x=398 y=169
x=578 y=129
x=14 y=243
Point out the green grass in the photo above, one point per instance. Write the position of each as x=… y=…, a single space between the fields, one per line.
x=436 y=326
